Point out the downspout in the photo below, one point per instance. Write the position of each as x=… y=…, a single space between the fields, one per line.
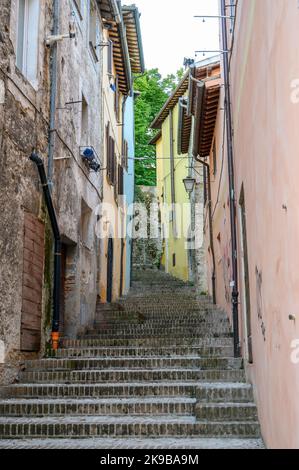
x=53 y=92
x=230 y=158
x=116 y=12
x=57 y=248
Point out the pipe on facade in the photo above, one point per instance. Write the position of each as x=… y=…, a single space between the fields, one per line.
x=230 y=158
x=207 y=166
x=53 y=91
x=116 y=12
x=57 y=248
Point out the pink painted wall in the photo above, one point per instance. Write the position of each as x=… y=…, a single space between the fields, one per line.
x=265 y=63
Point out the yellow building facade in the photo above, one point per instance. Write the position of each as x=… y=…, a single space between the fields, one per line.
x=172 y=169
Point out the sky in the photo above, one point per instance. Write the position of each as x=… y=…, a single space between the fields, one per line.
x=170 y=32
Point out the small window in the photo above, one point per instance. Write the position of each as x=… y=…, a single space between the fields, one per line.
x=93 y=31
x=116 y=99
x=205 y=185
x=174 y=260
x=214 y=158
x=110 y=58
x=84 y=123
x=86 y=232
x=120 y=180
x=111 y=163
x=27 y=39
x=107 y=142
x=125 y=155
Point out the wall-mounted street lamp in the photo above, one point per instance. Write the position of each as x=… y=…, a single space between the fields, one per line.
x=189 y=184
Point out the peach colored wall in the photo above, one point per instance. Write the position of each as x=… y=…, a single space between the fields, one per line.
x=266 y=146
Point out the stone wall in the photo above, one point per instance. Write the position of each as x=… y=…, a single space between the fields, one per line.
x=147 y=252
x=24 y=117
x=76 y=191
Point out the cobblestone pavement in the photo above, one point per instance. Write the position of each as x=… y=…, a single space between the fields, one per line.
x=156 y=371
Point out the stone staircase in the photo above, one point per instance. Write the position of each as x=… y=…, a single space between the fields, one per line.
x=156 y=371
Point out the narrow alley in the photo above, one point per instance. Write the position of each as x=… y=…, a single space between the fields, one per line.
x=158 y=364
x=149 y=225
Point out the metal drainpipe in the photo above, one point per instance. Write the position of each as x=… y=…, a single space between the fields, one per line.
x=230 y=157
x=116 y=8
x=207 y=166
x=57 y=248
x=53 y=91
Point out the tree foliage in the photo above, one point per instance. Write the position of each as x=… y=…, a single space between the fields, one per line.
x=154 y=91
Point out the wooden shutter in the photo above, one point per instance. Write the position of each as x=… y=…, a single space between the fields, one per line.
x=125 y=155
x=33 y=268
x=111 y=163
x=120 y=180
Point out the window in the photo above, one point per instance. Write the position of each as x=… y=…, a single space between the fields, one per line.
x=27 y=39
x=116 y=99
x=120 y=180
x=107 y=142
x=205 y=185
x=174 y=260
x=84 y=122
x=125 y=155
x=86 y=227
x=111 y=162
x=245 y=278
x=214 y=158
x=110 y=58
x=94 y=39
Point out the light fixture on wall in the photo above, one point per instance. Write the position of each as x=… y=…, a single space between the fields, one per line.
x=90 y=157
x=189 y=184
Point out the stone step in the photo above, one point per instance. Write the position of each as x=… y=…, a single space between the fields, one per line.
x=114 y=426
x=107 y=406
x=226 y=412
x=224 y=351
x=205 y=392
x=153 y=319
x=133 y=375
x=146 y=323
x=160 y=333
x=134 y=362
x=134 y=443
x=224 y=392
x=146 y=342
x=165 y=307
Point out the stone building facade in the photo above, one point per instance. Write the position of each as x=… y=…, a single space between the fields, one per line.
x=24 y=232
x=54 y=80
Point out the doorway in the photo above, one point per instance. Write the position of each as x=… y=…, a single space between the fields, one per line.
x=109 y=270
x=62 y=288
x=245 y=280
